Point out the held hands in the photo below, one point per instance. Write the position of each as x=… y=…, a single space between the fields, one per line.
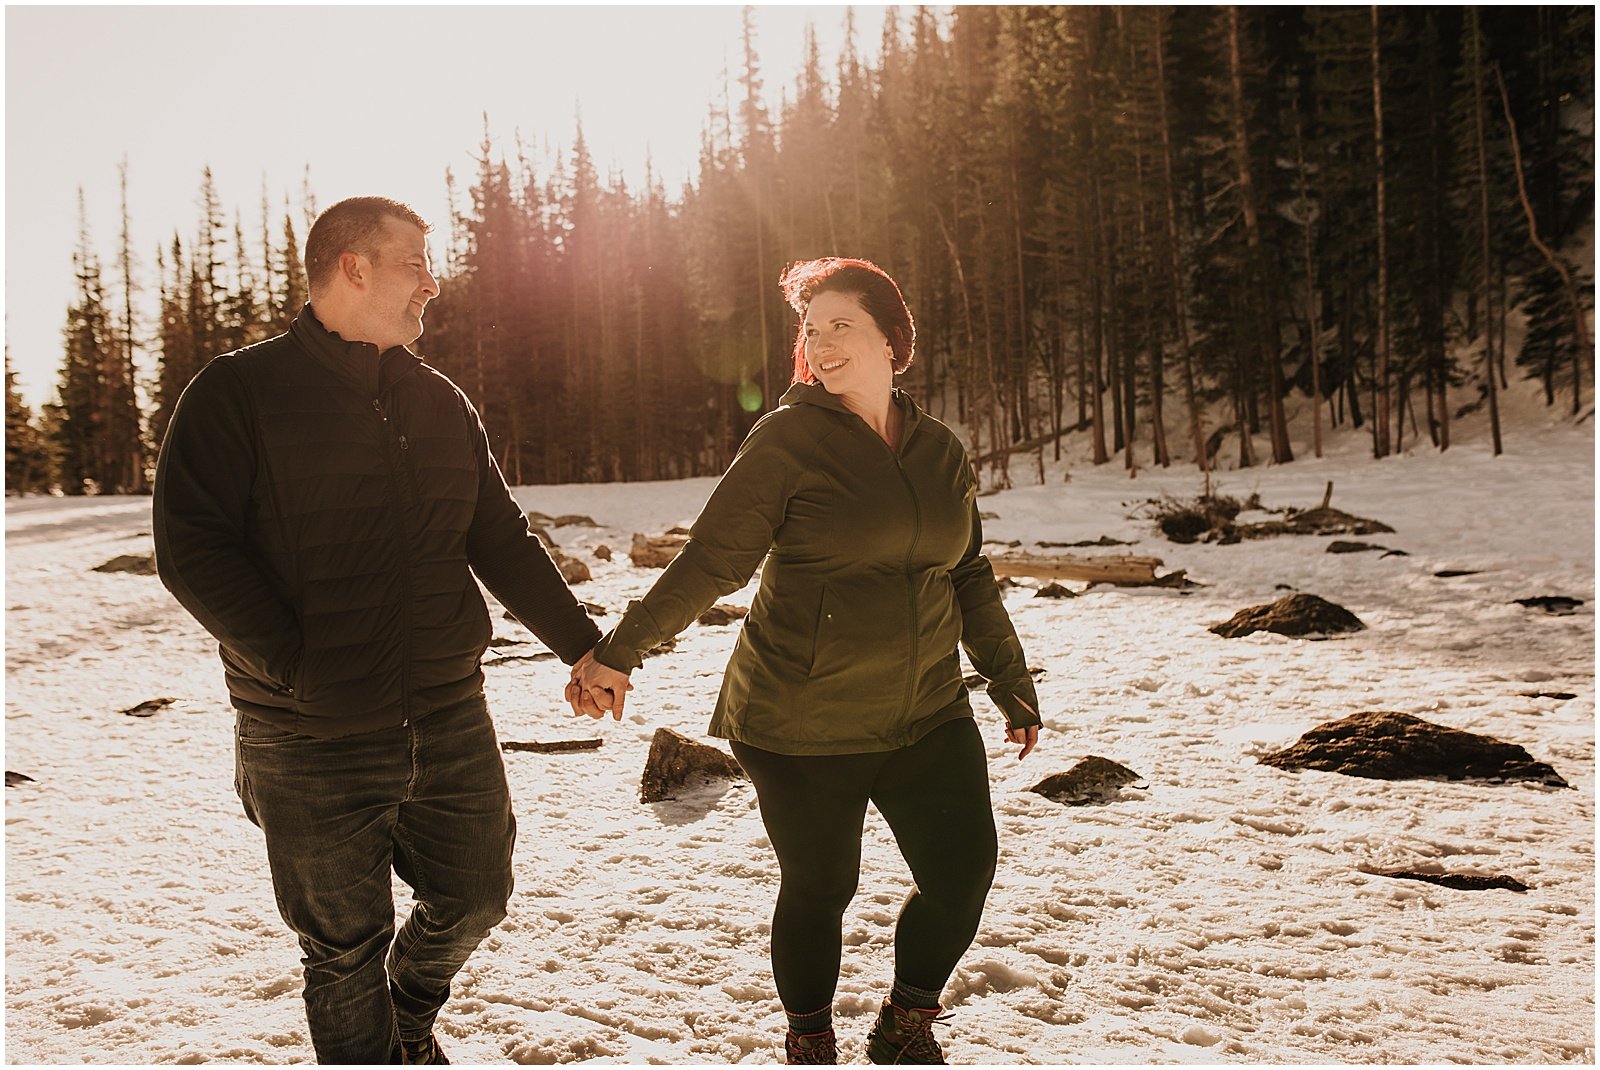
x=595 y=688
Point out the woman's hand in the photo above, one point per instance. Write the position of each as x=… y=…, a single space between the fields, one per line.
x=1028 y=736
x=595 y=688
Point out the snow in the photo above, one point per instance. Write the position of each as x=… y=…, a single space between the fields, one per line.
x=1223 y=915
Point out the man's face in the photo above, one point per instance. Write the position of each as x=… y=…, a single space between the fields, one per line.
x=401 y=286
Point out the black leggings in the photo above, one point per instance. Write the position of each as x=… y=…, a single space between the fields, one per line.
x=935 y=796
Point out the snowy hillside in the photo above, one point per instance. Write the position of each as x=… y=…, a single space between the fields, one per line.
x=1222 y=915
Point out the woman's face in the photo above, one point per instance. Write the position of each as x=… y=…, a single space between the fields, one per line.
x=844 y=347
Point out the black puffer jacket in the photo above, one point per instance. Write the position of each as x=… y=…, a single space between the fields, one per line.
x=320 y=508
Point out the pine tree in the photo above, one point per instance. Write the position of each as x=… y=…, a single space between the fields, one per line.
x=27 y=454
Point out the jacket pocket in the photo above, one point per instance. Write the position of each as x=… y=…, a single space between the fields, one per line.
x=821 y=631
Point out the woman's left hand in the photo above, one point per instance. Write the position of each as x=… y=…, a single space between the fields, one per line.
x=1026 y=736
x=595 y=688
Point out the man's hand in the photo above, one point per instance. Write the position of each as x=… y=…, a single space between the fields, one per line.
x=595 y=688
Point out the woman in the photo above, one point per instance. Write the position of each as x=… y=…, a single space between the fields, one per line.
x=845 y=685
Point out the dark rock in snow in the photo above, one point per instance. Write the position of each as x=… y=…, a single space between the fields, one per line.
x=721 y=614
x=536 y=517
x=572 y=570
x=1384 y=745
x=1341 y=547
x=1296 y=614
x=148 y=707
x=572 y=518
x=1559 y=695
x=1395 y=553
x=675 y=760
x=1104 y=540
x=13 y=778
x=544 y=536
x=666 y=646
x=137 y=564
x=678 y=530
x=594 y=610
x=1452 y=573
x=1054 y=590
x=602 y=552
x=657 y=552
x=1560 y=605
x=500 y=640
x=1461 y=882
x=1094 y=779
x=988 y=516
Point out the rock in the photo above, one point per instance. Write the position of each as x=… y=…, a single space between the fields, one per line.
x=1461 y=882
x=1104 y=540
x=988 y=516
x=1295 y=614
x=1394 y=553
x=594 y=610
x=721 y=614
x=1054 y=590
x=572 y=519
x=572 y=570
x=1559 y=605
x=675 y=760
x=14 y=778
x=602 y=552
x=137 y=564
x=677 y=530
x=666 y=646
x=536 y=517
x=149 y=707
x=1339 y=547
x=1452 y=573
x=544 y=536
x=1094 y=779
x=500 y=641
x=1383 y=745
x=656 y=552
x=1561 y=696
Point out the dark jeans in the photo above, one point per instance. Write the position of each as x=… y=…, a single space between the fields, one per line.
x=934 y=795
x=426 y=799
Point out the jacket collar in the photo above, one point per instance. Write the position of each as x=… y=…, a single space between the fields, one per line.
x=358 y=365
x=817 y=394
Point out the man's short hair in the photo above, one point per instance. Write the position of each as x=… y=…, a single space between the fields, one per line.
x=354 y=225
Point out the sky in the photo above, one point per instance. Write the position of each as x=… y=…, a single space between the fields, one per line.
x=374 y=99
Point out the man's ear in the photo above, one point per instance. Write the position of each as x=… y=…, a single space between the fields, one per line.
x=353 y=268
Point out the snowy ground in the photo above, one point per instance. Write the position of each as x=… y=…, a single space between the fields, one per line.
x=1221 y=916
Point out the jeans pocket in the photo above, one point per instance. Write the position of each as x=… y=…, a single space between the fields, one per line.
x=254 y=732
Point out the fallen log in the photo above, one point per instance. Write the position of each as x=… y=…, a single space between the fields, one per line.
x=1121 y=570
x=554 y=747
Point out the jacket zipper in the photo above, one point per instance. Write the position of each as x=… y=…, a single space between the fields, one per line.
x=397 y=484
x=911 y=592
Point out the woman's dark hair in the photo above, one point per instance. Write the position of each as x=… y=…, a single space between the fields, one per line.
x=867 y=283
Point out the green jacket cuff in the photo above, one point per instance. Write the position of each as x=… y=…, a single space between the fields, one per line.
x=1019 y=704
x=623 y=647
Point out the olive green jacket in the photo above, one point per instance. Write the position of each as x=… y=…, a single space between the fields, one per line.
x=873 y=573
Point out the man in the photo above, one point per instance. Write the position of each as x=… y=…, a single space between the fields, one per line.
x=321 y=504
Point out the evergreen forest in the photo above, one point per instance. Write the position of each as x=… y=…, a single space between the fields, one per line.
x=1153 y=227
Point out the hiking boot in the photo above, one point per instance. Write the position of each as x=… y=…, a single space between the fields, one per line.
x=905 y=1036
x=424 y=1051
x=815 y=1049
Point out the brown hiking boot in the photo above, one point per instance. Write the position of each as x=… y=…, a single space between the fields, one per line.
x=424 y=1051
x=816 y=1049
x=903 y=1035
